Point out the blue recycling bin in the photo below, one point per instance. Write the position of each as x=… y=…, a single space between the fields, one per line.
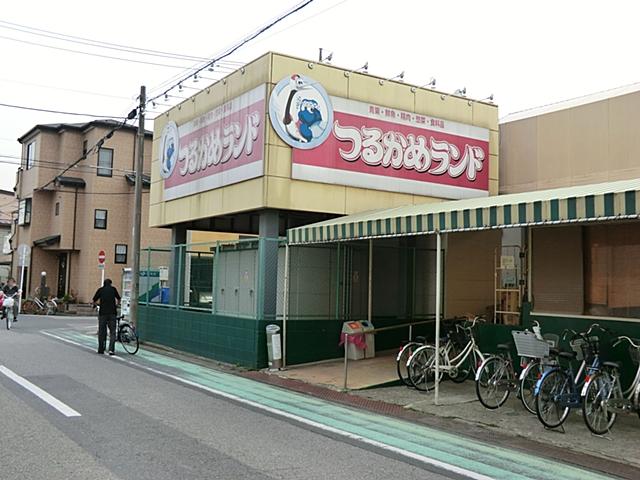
x=165 y=295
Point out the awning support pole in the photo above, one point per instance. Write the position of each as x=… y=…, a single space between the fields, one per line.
x=370 y=279
x=529 y=263
x=438 y=313
x=285 y=305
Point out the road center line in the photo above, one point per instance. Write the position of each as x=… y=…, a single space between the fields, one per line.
x=63 y=408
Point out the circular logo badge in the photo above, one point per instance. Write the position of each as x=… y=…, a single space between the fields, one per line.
x=169 y=148
x=301 y=112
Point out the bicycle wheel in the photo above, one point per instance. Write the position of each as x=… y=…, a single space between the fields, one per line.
x=595 y=403
x=493 y=383
x=129 y=339
x=421 y=368
x=552 y=387
x=528 y=380
x=29 y=307
x=9 y=317
x=401 y=361
x=463 y=370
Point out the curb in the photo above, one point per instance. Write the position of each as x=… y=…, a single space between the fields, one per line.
x=474 y=431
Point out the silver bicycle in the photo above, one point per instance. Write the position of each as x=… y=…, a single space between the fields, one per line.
x=603 y=396
x=457 y=362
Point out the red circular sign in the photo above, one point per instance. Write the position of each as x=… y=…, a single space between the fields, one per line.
x=101 y=256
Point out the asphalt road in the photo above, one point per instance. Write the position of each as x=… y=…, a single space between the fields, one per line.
x=153 y=417
x=137 y=425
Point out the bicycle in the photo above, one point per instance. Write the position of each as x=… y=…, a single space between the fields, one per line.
x=405 y=352
x=125 y=333
x=37 y=306
x=127 y=336
x=8 y=301
x=559 y=389
x=496 y=378
x=603 y=396
x=457 y=362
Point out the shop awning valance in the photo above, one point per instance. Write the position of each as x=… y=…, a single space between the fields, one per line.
x=47 y=241
x=586 y=203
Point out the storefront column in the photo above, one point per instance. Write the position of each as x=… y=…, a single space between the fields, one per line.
x=268 y=264
x=438 y=312
x=178 y=237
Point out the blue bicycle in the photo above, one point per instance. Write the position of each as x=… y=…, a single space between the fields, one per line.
x=560 y=388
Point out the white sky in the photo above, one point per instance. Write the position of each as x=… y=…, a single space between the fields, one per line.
x=526 y=53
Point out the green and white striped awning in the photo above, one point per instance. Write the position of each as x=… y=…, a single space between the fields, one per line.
x=587 y=203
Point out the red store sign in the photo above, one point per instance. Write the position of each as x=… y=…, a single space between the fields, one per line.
x=386 y=149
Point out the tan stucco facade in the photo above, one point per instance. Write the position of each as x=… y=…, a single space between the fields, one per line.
x=56 y=210
x=585 y=141
x=276 y=189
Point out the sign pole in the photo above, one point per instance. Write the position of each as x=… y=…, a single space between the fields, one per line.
x=21 y=287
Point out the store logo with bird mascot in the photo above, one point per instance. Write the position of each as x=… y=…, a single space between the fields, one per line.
x=170 y=145
x=301 y=112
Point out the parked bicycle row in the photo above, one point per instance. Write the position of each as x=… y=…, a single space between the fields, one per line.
x=549 y=381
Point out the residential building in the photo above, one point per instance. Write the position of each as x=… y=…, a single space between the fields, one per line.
x=67 y=216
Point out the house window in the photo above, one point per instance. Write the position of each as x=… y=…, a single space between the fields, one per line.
x=100 y=219
x=121 y=253
x=31 y=154
x=57 y=212
x=105 y=162
x=24 y=212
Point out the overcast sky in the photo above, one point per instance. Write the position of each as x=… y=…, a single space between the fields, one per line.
x=526 y=53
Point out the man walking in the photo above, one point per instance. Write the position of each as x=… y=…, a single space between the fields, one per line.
x=108 y=298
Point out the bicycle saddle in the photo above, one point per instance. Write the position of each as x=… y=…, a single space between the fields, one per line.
x=554 y=352
x=616 y=365
x=420 y=339
x=567 y=355
x=503 y=346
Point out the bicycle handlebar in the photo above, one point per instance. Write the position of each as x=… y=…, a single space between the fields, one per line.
x=624 y=337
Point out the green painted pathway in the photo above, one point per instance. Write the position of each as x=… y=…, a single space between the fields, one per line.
x=456 y=454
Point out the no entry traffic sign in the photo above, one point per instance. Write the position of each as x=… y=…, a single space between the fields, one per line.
x=101 y=257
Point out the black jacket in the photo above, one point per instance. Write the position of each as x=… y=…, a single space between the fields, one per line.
x=10 y=290
x=106 y=296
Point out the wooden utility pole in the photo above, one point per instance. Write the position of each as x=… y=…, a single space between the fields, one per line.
x=137 y=210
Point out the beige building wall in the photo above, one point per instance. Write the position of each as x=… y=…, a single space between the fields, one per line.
x=114 y=194
x=276 y=189
x=590 y=140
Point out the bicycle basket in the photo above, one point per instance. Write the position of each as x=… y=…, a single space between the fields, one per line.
x=584 y=348
x=459 y=339
x=528 y=345
x=552 y=339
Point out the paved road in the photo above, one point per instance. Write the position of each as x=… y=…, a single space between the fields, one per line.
x=156 y=417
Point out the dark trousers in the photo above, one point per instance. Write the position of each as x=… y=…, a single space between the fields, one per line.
x=103 y=322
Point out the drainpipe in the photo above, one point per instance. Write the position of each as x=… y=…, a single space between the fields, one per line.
x=73 y=239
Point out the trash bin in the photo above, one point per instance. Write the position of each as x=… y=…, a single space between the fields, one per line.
x=369 y=339
x=274 y=347
x=165 y=295
x=355 y=343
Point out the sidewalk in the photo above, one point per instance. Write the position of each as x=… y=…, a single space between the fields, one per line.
x=460 y=413
x=458 y=402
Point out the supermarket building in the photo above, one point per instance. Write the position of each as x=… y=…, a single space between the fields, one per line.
x=353 y=186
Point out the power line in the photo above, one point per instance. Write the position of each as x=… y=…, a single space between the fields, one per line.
x=235 y=47
x=98 y=43
x=85 y=92
x=110 y=57
x=60 y=112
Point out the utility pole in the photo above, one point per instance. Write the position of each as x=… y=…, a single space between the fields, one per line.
x=137 y=209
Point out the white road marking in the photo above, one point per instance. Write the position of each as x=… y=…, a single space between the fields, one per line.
x=414 y=456
x=63 y=408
